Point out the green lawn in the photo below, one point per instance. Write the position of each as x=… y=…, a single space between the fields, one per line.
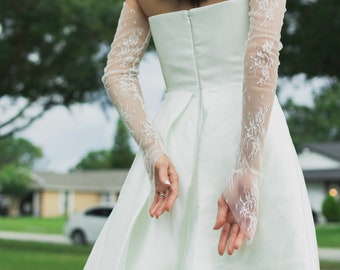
x=330 y=265
x=17 y=255
x=39 y=256
x=32 y=224
x=328 y=235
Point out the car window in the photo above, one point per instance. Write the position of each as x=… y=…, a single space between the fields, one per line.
x=99 y=212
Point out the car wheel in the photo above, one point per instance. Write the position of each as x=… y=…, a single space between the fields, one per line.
x=78 y=238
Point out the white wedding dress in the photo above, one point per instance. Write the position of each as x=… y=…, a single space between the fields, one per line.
x=223 y=128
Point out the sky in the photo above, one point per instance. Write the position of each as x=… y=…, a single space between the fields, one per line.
x=67 y=135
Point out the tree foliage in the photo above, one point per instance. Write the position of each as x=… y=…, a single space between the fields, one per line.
x=14 y=180
x=51 y=53
x=121 y=153
x=94 y=160
x=17 y=157
x=18 y=151
x=310 y=37
x=331 y=209
x=321 y=122
x=119 y=156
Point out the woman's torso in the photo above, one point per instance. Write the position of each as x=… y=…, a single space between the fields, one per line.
x=202 y=48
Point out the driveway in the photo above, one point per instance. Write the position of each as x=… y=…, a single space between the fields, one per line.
x=35 y=237
x=329 y=254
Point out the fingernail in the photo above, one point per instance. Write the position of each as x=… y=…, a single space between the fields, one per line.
x=166 y=181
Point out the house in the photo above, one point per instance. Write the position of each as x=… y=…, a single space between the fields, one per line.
x=54 y=194
x=320 y=163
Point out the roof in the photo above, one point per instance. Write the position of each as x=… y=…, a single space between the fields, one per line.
x=330 y=149
x=101 y=180
x=322 y=175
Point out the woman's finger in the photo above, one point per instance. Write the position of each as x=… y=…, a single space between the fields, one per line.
x=223 y=238
x=222 y=213
x=152 y=207
x=161 y=208
x=232 y=238
x=239 y=240
x=166 y=181
x=159 y=203
x=173 y=193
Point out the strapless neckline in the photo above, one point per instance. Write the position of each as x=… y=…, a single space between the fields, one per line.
x=191 y=10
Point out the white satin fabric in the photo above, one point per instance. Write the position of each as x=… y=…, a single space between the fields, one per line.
x=199 y=122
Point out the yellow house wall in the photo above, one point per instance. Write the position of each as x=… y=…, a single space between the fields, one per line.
x=83 y=200
x=49 y=204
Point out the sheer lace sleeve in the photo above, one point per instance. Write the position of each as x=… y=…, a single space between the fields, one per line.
x=120 y=80
x=259 y=86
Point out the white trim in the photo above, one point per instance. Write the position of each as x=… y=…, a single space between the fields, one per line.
x=37 y=179
x=36 y=204
x=70 y=203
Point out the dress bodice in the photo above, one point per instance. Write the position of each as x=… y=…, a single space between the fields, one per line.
x=202 y=47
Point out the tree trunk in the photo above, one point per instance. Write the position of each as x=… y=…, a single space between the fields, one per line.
x=14 y=206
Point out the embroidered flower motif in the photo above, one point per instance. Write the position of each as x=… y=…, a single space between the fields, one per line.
x=255 y=132
x=263 y=61
x=265 y=11
x=248 y=208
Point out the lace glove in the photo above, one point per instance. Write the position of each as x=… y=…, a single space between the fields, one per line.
x=260 y=76
x=120 y=79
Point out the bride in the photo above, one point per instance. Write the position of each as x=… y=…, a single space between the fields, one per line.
x=219 y=138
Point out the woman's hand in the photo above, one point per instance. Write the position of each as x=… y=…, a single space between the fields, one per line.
x=231 y=231
x=166 y=187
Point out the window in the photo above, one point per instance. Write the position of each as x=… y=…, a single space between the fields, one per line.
x=99 y=212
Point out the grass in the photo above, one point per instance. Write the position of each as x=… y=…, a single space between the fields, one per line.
x=40 y=256
x=32 y=224
x=15 y=255
x=330 y=265
x=328 y=235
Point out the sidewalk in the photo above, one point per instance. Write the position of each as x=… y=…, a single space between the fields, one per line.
x=329 y=254
x=35 y=237
x=325 y=254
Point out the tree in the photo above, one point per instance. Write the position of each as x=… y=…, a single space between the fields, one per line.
x=318 y=123
x=121 y=154
x=95 y=160
x=18 y=151
x=311 y=42
x=14 y=182
x=331 y=209
x=17 y=157
x=51 y=53
x=311 y=46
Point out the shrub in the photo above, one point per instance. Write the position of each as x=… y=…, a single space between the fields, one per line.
x=331 y=209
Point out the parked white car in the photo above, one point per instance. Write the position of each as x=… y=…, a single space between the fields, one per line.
x=84 y=227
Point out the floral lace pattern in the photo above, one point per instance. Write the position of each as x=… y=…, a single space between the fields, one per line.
x=265 y=11
x=255 y=132
x=120 y=79
x=260 y=77
x=263 y=61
